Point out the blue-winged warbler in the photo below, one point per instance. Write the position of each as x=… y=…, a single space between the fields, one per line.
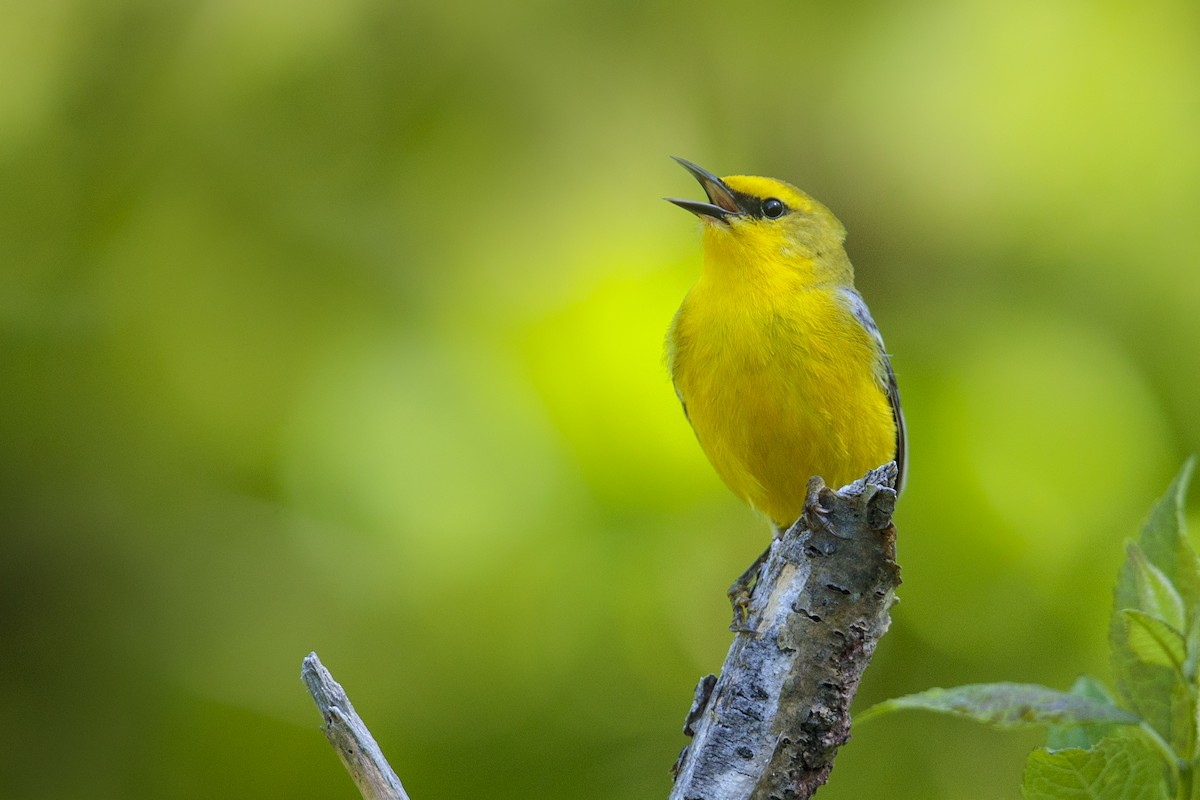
x=774 y=355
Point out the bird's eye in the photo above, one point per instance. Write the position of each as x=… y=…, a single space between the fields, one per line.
x=772 y=208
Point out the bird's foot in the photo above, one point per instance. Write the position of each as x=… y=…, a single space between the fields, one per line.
x=740 y=593
x=818 y=505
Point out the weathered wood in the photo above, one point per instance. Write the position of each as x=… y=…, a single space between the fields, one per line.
x=349 y=736
x=772 y=724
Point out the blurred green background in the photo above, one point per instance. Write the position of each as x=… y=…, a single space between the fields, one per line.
x=338 y=326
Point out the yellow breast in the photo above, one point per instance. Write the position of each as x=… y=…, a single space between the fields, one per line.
x=781 y=382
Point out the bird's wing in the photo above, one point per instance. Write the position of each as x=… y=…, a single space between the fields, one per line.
x=682 y=404
x=672 y=351
x=887 y=379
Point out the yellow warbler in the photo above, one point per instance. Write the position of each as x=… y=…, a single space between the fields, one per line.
x=774 y=355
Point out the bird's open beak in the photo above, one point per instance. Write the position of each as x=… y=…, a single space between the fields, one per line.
x=722 y=203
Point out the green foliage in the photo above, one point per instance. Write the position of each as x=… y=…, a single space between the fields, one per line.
x=1074 y=734
x=1115 y=769
x=1010 y=705
x=1140 y=744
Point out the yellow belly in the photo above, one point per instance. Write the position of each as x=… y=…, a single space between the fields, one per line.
x=779 y=392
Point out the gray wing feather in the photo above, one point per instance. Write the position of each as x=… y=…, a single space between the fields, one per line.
x=858 y=307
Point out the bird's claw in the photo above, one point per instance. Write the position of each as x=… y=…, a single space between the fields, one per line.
x=818 y=506
x=739 y=598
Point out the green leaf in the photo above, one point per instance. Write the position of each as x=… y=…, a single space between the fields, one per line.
x=1153 y=641
x=1165 y=543
x=1156 y=595
x=1060 y=736
x=1154 y=690
x=1115 y=769
x=1009 y=705
x=1193 y=649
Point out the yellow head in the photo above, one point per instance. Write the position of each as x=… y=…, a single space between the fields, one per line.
x=753 y=223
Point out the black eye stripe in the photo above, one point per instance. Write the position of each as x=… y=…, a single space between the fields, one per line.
x=773 y=208
x=757 y=206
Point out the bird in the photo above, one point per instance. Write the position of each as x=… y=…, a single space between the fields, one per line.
x=779 y=366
